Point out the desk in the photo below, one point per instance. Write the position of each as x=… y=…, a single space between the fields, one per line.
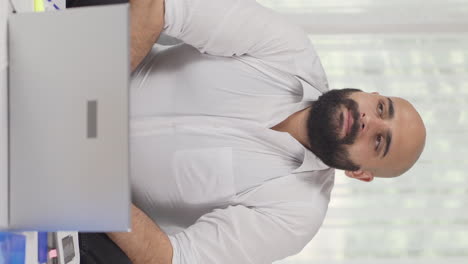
x=64 y=244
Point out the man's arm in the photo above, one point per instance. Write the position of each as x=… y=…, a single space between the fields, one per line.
x=241 y=27
x=146 y=243
x=146 y=24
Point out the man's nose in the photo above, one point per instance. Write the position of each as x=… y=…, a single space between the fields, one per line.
x=363 y=122
x=370 y=123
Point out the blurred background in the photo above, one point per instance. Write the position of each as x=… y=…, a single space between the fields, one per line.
x=416 y=49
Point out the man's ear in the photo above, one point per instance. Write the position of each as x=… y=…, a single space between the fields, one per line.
x=366 y=176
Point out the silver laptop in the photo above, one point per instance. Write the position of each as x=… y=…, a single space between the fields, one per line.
x=68 y=120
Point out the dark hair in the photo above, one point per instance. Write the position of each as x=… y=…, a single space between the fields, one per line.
x=322 y=134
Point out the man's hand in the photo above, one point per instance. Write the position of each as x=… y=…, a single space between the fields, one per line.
x=146 y=243
x=146 y=24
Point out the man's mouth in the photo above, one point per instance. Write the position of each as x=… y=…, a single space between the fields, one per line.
x=347 y=122
x=350 y=122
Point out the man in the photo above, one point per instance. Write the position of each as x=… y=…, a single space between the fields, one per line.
x=235 y=134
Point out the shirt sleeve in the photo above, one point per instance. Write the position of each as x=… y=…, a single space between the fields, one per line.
x=232 y=28
x=239 y=234
x=245 y=30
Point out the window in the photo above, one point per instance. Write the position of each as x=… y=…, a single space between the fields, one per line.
x=421 y=217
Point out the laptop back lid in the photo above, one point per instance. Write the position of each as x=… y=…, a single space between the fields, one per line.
x=68 y=102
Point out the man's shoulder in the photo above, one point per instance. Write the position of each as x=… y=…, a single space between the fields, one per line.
x=298 y=190
x=299 y=201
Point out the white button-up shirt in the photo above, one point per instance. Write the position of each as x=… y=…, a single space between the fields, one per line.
x=205 y=165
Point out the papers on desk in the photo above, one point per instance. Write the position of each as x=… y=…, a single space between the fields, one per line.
x=49 y=5
x=22 y=6
x=54 y=5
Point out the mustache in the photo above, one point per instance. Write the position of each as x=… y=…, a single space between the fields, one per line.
x=351 y=137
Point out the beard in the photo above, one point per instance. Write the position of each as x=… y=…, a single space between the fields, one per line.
x=324 y=125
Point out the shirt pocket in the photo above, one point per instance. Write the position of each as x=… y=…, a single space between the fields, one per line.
x=204 y=175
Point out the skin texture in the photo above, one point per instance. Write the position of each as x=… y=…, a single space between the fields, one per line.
x=146 y=24
x=146 y=243
x=406 y=126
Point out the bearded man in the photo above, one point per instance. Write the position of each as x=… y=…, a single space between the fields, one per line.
x=235 y=135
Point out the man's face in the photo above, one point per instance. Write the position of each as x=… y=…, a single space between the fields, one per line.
x=378 y=135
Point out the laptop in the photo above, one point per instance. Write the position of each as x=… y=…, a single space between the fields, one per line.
x=68 y=120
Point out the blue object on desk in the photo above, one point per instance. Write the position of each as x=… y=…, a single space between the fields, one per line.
x=42 y=247
x=12 y=248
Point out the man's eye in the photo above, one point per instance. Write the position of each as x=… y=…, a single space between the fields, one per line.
x=378 y=140
x=380 y=109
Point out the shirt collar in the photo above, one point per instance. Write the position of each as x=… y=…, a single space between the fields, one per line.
x=311 y=163
x=309 y=92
